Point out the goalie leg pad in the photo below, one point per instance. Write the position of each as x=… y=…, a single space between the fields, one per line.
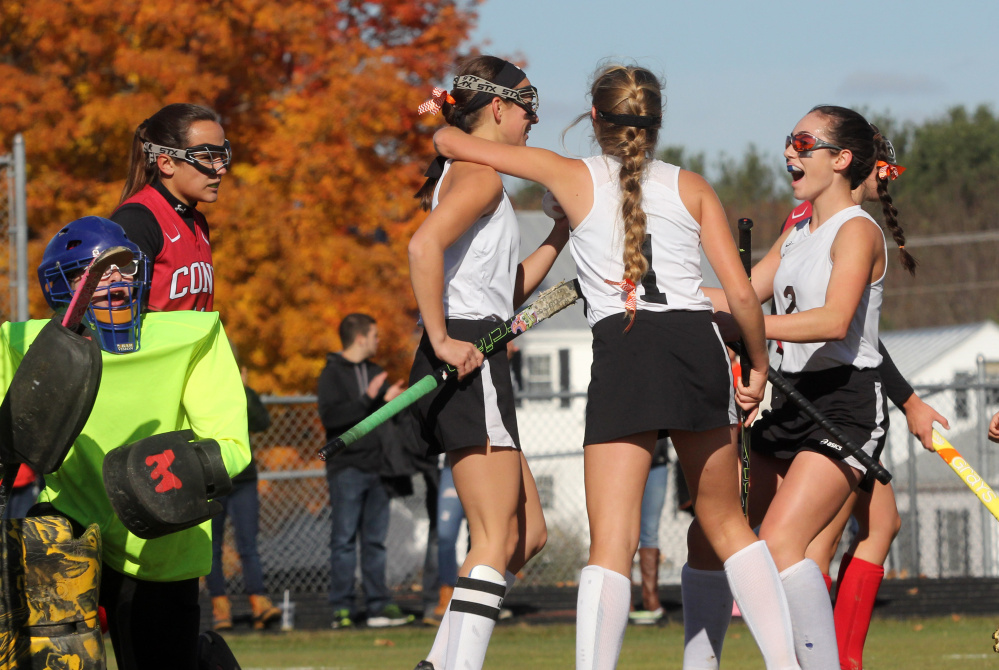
x=163 y=483
x=49 y=399
x=14 y=643
x=62 y=578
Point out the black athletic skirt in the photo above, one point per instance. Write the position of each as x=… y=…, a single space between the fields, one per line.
x=474 y=411
x=853 y=401
x=670 y=371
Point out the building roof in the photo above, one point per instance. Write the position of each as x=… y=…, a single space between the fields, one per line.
x=914 y=349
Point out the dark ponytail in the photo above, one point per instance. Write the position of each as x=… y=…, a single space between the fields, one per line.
x=168 y=127
x=883 y=153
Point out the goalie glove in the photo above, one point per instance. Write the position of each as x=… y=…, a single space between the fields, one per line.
x=165 y=483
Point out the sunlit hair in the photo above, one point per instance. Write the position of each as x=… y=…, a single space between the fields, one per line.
x=633 y=91
x=484 y=67
x=884 y=153
x=169 y=127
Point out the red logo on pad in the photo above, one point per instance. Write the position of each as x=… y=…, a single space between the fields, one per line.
x=161 y=470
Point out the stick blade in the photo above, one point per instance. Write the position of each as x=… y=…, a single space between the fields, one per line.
x=91 y=278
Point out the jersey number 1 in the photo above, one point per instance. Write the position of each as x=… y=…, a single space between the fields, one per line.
x=652 y=292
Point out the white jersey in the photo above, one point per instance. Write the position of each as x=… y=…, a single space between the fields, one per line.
x=672 y=244
x=480 y=268
x=801 y=282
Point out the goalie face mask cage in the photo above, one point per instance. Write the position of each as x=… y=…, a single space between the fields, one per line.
x=115 y=312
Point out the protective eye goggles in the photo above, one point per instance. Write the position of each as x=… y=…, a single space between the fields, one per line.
x=127 y=271
x=526 y=98
x=806 y=143
x=207 y=159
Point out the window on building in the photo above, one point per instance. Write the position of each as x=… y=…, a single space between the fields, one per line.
x=546 y=490
x=539 y=374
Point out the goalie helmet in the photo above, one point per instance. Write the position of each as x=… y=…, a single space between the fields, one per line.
x=114 y=314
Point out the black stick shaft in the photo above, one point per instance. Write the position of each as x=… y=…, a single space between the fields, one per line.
x=746 y=256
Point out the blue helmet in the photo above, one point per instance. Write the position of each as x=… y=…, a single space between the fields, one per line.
x=69 y=253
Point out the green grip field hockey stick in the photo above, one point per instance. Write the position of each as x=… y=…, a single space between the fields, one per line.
x=548 y=303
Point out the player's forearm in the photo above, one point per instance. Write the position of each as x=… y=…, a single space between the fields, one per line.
x=426 y=271
x=535 y=267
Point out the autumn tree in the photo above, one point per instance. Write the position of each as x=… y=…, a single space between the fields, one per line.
x=318 y=98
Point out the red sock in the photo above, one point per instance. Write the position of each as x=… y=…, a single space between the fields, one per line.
x=828 y=581
x=857 y=589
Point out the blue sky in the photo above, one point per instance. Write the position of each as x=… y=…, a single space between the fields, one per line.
x=738 y=73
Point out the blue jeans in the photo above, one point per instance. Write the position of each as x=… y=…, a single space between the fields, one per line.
x=360 y=506
x=243 y=506
x=449 y=516
x=652 y=506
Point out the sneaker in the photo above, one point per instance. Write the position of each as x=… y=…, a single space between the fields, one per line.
x=424 y=665
x=505 y=614
x=646 y=617
x=341 y=619
x=390 y=616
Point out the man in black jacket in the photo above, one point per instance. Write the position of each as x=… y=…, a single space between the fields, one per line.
x=351 y=387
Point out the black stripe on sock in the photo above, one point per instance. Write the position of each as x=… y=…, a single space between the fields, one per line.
x=475 y=608
x=492 y=588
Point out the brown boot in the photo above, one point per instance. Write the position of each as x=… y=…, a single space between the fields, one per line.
x=443 y=598
x=648 y=562
x=264 y=611
x=221 y=613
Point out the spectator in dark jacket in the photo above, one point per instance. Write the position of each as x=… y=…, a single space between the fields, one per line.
x=351 y=387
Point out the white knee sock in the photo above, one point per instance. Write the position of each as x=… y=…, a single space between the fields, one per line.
x=601 y=617
x=438 y=652
x=812 y=614
x=756 y=585
x=474 y=609
x=707 y=610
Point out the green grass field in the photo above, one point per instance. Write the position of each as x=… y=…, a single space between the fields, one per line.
x=923 y=644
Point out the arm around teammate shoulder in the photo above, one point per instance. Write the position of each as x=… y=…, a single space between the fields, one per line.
x=858 y=259
x=567 y=178
x=719 y=247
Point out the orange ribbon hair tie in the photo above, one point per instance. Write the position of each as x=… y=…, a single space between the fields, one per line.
x=631 y=302
x=888 y=170
x=437 y=99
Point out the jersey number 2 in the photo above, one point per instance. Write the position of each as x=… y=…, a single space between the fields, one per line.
x=789 y=294
x=652 y=292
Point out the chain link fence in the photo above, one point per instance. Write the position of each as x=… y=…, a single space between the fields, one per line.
x=946 y=532
x=14 y=234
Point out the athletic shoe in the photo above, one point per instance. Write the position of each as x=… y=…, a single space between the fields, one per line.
x=341 y=619
x=646 y=617
x=390 y=616
x=505 y=614
x=424 y=665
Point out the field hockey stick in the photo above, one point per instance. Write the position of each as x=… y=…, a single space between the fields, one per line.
x=548 y=303
x=967 y=473
x=794 y=395
x=746 y=255
x=92 y=276
x=74 y=316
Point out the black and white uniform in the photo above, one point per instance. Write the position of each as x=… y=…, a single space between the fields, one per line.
x=671 y=370
x=839 y=377
x=480 y=270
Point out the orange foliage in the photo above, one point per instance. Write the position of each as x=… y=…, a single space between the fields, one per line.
x=318 y=98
